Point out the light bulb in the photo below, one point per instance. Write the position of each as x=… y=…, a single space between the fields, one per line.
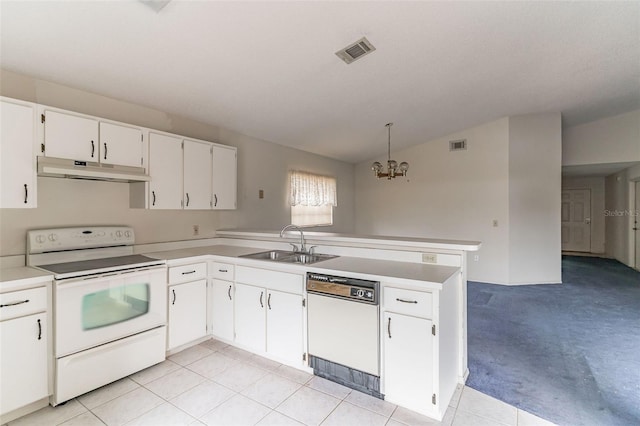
x=404 y=166
x=392 y=164
x=376 y=167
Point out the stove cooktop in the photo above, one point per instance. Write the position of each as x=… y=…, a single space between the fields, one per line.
x=106 y=264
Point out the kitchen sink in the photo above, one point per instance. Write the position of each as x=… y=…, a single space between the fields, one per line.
x=289 y=257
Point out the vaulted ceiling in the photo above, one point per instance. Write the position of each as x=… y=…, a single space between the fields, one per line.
x=268 y=69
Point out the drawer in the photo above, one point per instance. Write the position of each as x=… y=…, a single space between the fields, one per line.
x=24 y=302
x=222 y=271
x=185 y=273
x=408 y=302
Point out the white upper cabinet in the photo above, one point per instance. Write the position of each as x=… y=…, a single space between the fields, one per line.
x=224 y=180
x=71 y=136
x=165 y=169
x=85 y=138
x=120 y=145
x=197 y=175
x=17 y=158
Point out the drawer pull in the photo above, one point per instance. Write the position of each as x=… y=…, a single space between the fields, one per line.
x=223 y=270
x=389 y=328
x=39 y=330
x=14 y=303
x=229 y=292
x=406 y=301
x=189 y=272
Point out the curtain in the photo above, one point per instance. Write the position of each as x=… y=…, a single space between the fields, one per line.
x=308 y=189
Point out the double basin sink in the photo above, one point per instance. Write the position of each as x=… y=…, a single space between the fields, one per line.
x=289 y=257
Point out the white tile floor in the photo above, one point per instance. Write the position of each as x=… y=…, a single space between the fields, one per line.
x=216 y=384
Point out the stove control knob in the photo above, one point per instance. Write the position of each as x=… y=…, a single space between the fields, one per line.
x=119 y=234
x=40 y=239
x=127 y=234
x=53 y=237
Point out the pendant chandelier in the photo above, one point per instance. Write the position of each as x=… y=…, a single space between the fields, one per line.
x=393 y=170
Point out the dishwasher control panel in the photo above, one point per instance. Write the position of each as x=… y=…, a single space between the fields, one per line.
x=345 y=288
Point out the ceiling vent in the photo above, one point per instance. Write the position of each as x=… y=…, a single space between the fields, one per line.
x=459 y=145
x=355 y=50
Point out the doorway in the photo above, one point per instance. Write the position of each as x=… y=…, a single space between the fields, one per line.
x=576 y=220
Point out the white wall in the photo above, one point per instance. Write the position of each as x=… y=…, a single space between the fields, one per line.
x=446 y=195
x=609 y=140
x=619 y=210
x=510 y=172
x=261 y=165
x=535 y=149
x=596 y=186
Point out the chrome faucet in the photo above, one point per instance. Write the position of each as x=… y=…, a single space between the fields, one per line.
x=303 y=248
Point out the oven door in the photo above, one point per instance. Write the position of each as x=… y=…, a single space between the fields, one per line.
x=95 y=310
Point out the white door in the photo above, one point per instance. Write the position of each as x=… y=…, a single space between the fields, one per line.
x=250 y=318
x=17 y=167
x=576 y=220
x=224 y=178
x=222 y=309
x=197 y=175
x=636 y=227
x=71 y=136
x=187 y=313
x=23 y=361
x=92 y=311
x=284 y=326
x=408 y=360
x=165 y=170
x=120 y=145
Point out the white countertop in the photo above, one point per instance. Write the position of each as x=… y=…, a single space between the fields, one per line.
x=22 y=277
x=432 y=276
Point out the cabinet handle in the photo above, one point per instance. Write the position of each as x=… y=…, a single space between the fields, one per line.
x=189 y=272
x=261 y=304
x=215 y=198
x=389 y=328
x=14 y=303
x=174 y=297
x=187 y=199
x=93 y=149
x=406 y=301
x=153 y=193
x=39 y=330
x=269 y=301
x=105 y=150
x=229 y=292
x=26 y=193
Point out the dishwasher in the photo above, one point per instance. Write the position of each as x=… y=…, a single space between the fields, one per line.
x=343 y=320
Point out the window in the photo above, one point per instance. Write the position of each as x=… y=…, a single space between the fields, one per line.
x=312 y=199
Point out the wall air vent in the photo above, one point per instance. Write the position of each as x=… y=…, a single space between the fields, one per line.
x=355 y=50
x=459 y=145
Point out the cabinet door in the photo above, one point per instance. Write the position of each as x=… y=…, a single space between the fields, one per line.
x=197 y=175
x=408 y=361
x=23 y=361
x=284 y=326
x=224 y=178
x=187 y=313
x=71 y=136
x=120 y=145
x=250 y=316
x=222 y=309
x=17 y=161
x=165 y=170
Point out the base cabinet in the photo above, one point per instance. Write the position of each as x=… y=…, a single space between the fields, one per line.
x=222 y=296
x=187 y=313
x=23 y=361
x=250 y=318
x=284 y=326
x=408 y=361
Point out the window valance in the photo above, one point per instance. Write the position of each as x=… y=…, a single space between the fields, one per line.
x=308 y=189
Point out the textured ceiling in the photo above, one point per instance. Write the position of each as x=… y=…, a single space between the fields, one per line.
x=268 y=69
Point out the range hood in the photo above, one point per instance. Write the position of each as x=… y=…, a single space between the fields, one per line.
x=72 y=169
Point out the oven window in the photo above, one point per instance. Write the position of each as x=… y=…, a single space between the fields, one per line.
x=114 y=305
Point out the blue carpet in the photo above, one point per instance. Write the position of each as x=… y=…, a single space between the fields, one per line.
x=569 y=353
